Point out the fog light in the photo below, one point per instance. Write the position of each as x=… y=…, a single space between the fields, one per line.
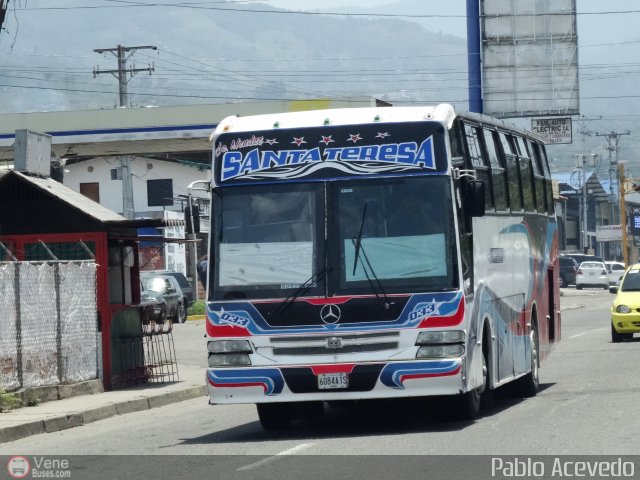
x=444 y=336
x=440 y=351
x=228 y=359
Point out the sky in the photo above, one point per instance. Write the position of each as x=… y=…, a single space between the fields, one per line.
x=609 y=47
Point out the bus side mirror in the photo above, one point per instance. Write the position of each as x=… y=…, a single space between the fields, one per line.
x=475 y=198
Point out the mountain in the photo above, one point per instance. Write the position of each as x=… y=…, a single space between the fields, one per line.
x=209 y=55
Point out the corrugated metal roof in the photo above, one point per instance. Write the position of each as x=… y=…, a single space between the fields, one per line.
x=84 y=204
x=73 y=198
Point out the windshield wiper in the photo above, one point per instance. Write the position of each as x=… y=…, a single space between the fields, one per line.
x=377 y=287
x=358 y=240
x=304 y=288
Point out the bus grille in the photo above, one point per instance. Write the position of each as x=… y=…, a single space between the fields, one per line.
x=335 y=344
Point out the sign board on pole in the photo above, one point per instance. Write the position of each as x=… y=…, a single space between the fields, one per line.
x=553 y=130
x=529 y=58
x=608 y=233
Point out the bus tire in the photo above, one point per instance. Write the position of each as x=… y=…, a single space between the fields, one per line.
x=471 y=402
x=274 y=416
x=529 y=385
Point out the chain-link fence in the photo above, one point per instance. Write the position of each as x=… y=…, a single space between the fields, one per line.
x=48 y=323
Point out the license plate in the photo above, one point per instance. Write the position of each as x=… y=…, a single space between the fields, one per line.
x=330 y=381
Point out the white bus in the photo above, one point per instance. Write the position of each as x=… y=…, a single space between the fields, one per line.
x=376 y=253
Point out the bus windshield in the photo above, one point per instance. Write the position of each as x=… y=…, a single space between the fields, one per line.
x=271 y=240
x=398 y=232
x=393 y=235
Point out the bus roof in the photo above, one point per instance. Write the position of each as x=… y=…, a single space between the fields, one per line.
x=443 y=113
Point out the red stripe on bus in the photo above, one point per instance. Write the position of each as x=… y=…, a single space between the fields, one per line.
x=226 y=331
x=448 y=321
x=234 y=385
x=410 y=376
x=340 y=368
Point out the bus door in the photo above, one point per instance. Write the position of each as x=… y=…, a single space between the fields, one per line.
x=511 y=353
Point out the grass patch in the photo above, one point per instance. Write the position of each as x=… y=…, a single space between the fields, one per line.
x=8 y=401
x=197 y=308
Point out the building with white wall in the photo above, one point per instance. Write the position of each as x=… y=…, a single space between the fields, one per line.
x=158 y=185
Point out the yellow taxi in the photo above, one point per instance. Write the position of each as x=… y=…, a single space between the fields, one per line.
x=625 y=310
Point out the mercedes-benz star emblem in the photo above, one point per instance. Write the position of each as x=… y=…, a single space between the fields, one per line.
x=330 y=314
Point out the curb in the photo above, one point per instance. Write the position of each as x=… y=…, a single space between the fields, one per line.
x=57 y=392
x=62 y=422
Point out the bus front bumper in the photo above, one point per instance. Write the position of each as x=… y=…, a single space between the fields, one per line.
x=335 y=381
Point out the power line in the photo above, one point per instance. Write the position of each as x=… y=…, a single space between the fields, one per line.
x=202 y=6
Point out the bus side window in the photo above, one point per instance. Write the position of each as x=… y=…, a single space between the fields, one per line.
x=547 y=179
x=498 y=176
x=526 y=175
x=538 y=177
x=455 y=141
x=513 y=172
x=477 y=161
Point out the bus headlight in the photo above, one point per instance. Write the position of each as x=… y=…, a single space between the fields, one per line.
x=229 y=353
x=228 y=359
x=229 y=346
x=440 y=351
x=443 y=336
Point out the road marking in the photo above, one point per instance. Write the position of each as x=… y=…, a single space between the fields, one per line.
x=587 y=332
x=276 y=457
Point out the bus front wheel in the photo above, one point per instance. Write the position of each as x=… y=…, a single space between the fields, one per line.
x=472 y=401
x=274 y=416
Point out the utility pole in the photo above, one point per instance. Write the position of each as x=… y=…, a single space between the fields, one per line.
x=582 y=181
x=123 y=54
x=613 y=139
x=623 y=214
x=582 y=200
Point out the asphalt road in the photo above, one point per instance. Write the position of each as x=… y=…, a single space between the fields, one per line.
x=587 y=406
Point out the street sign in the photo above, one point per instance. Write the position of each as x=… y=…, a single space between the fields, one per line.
x=608 y=233
x=553 y=129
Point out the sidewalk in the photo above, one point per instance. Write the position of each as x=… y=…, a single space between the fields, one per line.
x=79 y=410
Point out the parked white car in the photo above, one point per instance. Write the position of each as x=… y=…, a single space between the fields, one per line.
x=592 y=274
x=615 y=270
